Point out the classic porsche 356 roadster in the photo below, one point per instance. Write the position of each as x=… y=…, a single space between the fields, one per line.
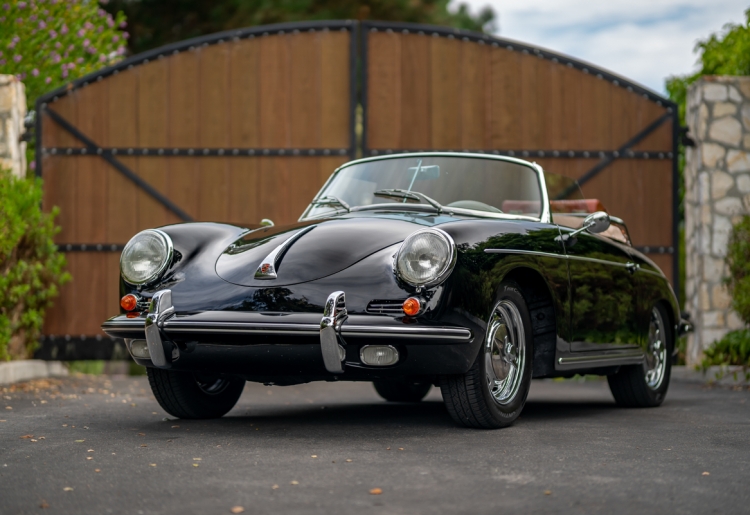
x=471 y=272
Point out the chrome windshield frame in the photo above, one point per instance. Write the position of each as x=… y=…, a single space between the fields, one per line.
x=544 y=216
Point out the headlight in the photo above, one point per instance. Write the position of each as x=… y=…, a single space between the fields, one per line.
x=426 y=257
x=146 y=256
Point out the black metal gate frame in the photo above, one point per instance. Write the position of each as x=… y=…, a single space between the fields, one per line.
x=358 y=95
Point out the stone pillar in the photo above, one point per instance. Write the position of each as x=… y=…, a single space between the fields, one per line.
x=12 y=113
x=717 y=194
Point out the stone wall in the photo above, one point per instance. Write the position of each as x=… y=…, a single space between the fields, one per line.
x=717 y=194
x=12 y=113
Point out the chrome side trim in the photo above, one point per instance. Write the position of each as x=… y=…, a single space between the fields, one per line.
x=334 y=314
x=589 y=360
x=267 y=267
x=527 y=252
x=160 y=309
x=178 y=326
x=441 y=333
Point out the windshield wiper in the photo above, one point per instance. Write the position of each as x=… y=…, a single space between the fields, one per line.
x=330 y=200
x=411 y=195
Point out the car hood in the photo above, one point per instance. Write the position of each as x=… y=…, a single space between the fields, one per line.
x=324 y=248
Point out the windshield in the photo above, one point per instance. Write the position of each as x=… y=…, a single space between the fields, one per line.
x=478 y=185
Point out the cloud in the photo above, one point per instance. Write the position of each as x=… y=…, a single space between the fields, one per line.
x=643 y=40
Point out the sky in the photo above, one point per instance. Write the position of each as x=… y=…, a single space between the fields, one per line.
x=642 y=40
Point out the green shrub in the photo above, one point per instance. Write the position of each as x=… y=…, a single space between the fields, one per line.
x=738 y=261
x=733 y=349
x=31 y=268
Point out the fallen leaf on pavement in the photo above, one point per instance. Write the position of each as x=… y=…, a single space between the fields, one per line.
x=42 y=438
x=80 y=441
x=97 y=470
x=197 y=459
x=141 y=434
x=132 y=404
x=195 y=464
x=275 y=487
x=33 y=440
x=400 y=448
x=175 y=427
x=90 y=450
x=152 y=464
x=294 y=482
x=387 y=448
x=67 y=489
x=376 y=491
x=314 y=456
x=548 y=492
x=27 y=436
x=348 y=461
x=154 y=413
x=705 y=474
x=44 y=505
x=144 y=445
x=8 y=407
x=89 y=458
x=236 y=509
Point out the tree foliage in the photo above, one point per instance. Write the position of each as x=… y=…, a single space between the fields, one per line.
x=723 y=53
x=154 y=23
x=31 y=268
x=738 y=261
x=47 y=43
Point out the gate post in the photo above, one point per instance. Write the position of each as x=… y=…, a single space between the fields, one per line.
x=717 y=194
x=12 y=113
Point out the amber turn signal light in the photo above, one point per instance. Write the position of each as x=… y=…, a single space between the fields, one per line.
x=411 y=306
x=129 y=302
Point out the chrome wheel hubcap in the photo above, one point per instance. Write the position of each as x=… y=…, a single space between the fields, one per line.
x=504 y=353
x=656 y=353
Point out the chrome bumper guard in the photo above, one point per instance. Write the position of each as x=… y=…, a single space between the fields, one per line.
x=332 y=330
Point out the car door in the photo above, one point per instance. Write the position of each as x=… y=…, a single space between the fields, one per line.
x=603 y=293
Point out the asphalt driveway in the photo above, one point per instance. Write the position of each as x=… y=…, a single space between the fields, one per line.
x=102 y=445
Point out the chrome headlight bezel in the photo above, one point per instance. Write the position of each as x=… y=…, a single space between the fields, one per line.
x=446 y=270
x=165 y=262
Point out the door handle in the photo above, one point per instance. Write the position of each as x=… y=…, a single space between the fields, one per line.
x=632 y=267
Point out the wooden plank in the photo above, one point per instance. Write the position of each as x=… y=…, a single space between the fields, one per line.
x=183 y=129
x=121 y=193
x=417 y=87
x=505 y=104
x=531 y=102
x=275 y=183
x=67 y=107
x=274 y=92
x=554 y=123
x=213 y=108
x=304 y=89
x=244 y=95
x=335 y=93
x=153 y=123
x=383 y=116
x=244 y=191
x=445 y=83
x=572 y=108
x=474 y=99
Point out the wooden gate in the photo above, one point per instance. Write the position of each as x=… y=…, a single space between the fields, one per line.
x=247 y=124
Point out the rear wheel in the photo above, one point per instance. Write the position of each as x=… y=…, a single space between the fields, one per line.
x=645 y=386
x=493 y=392
x=191 y=395
x=402 y=390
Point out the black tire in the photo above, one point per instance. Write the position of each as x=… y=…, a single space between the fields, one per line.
x=469 y=398
x=188 y=395
x=402 y=390
x=630 y=386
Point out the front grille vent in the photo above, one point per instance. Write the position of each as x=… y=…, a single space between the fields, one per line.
x=387 y=306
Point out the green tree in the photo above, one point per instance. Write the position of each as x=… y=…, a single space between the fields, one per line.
x=723 y=53
x=154 y=23
x=47 y=43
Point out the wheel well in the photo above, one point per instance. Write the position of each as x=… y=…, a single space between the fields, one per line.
x=538 y=299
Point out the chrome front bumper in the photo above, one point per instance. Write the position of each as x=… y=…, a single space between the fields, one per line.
x=162 y=325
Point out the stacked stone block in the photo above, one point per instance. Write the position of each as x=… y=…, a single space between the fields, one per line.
x=12 y=113
x=717 y=194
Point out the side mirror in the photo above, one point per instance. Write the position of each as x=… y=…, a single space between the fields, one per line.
x=596 y=222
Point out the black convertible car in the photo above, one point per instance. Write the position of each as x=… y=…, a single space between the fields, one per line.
x=471 y=272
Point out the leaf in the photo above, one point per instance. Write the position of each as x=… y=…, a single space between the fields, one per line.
x=706 y=474
x=24 y=437
x=275 y=487
x=141 y=434
x=152 y=464
x=195 y=464
x=97 y=470
x=144 y=445
x=89 y=458
x=314 y=456
x=80 y=441
x=67 y=489
x=236 y=509
x=197 y=459
x=44 y=505
x=293 y=482
x=548 y=492
x=376 y=491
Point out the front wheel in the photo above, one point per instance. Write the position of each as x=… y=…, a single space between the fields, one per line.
x=192 y=395
x=493 y=392
x=645 y=386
